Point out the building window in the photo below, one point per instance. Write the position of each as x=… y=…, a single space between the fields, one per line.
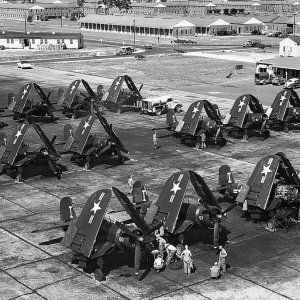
x=283 y=48
x=12 y=41
x=58 y=41
x=42 y=42
x=182 y=31
x=46 y=41
x=33 y=41
x=71 y=41
x=7 y=41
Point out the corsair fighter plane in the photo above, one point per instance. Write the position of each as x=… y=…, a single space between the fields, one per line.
x=195 y=126
x=15 y=154
x=117 y=96
x=285 y=109
x=24 y=108
x=246 y=114
x=273 y=189
x=86 y=147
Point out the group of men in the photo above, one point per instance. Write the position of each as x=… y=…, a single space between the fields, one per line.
x=180 y=254
x=219 y=268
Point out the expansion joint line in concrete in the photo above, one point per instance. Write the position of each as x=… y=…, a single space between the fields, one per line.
x=247 y=279
x=183 y=286
x=17 y=204
x=57 y=258
x=290 y=267
x=33 y=291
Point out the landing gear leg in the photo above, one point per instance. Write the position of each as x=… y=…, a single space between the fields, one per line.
x=87 y=163
x=99 y=274
x=19 y=176
x=245 y=136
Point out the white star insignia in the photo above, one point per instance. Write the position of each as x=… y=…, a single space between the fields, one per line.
x=175 y=187
x=241 y=104
x=195 y=109
x=117 y=83
x=86 y=125
x=19 y=133
x=266 y=170
x=282 y=98
x=96 y=207
x=73 y=87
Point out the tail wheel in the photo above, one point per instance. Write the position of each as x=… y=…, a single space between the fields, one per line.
x=119 y=111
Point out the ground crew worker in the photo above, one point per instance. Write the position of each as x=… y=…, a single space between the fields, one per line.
x=163 y=246
x=171 y=250
x=179 y=249
x=130 y=184
x=158 y=263
x=186 y=256
x=215 y=271
x=203 y=140
x=155 y=140
x=222 y=260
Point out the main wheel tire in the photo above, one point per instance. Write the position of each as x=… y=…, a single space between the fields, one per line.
x=158 y=112
x=19 y=178
x=198 y=145
x=87 y=165
x=99 y=275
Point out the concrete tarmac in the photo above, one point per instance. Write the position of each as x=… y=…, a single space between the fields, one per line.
x=264 y=265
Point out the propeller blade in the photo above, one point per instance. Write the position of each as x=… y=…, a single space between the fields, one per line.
x=216 y=233
x=202 y=190
x=88 y=89
x=152 y=229
x=141 y=87
x=52 y=141
x=137 y=258
x=217 y=134
x=127 y=231
x=263 y=126
x=131 y=210
x=232 y=206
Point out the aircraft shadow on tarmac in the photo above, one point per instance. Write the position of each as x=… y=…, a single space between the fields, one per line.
x=33 y=170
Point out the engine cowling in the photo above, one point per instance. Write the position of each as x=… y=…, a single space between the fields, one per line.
x=287 y=193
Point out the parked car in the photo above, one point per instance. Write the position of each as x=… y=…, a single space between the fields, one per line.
x=24 y=64
x=292 y=83
x=2 y=47
x=262 y=78
x=148 y=46
x=278 y=80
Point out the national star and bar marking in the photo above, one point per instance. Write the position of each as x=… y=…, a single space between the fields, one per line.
x=18 y=134
x=95 y=208
x=175 y=188
x=266 y=170
x=282 y=98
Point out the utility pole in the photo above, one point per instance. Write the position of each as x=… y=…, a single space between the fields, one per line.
x=25 y=24
x=133 y=34
x=61 y=15
x=294 y=25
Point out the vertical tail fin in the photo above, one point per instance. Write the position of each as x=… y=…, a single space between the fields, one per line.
x=67 y=212
x=226 y=180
